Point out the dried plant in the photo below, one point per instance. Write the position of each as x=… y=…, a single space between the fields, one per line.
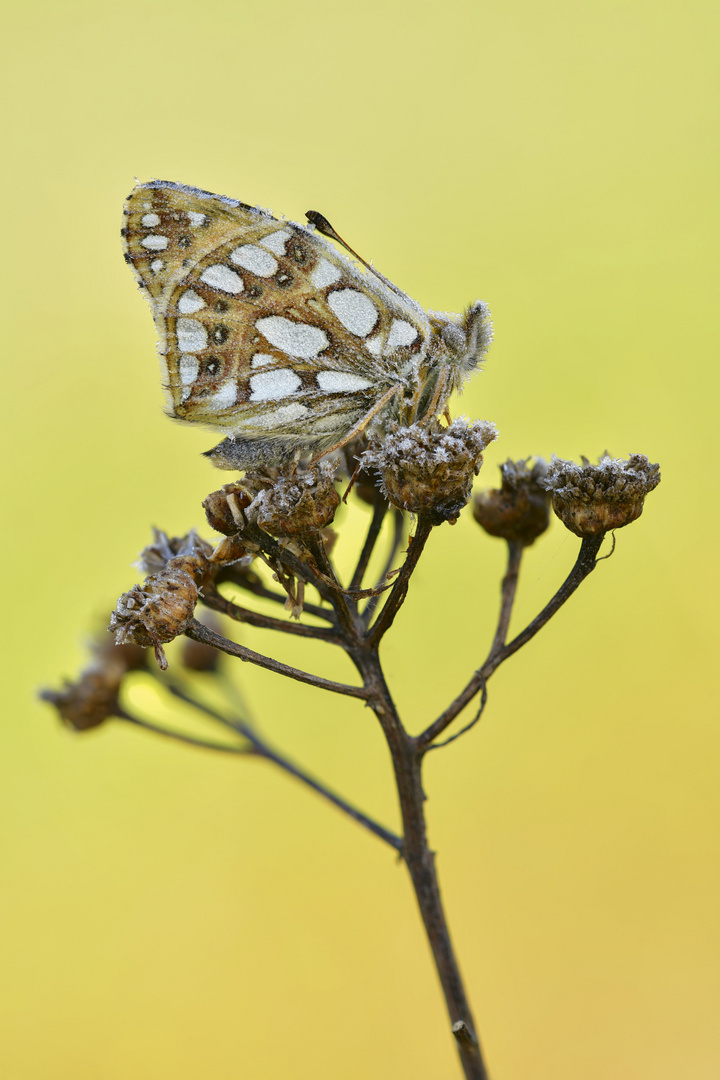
x=277 y=546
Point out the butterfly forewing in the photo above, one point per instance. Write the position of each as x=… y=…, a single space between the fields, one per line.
x=265 y=327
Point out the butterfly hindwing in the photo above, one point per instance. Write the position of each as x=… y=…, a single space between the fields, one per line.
x=264 y=326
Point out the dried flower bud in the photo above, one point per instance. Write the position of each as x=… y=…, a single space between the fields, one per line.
x=224 y=509
x=91 y=700
x=94 y=697
x=130 y=656
x=295 y=503
x=162 y=609
x=592 y=499
x=519 y=510
x=156 y=556
x=430 y=470
x=231 y=550
x=196 y=564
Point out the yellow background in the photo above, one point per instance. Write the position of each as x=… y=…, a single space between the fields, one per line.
x=169 y=914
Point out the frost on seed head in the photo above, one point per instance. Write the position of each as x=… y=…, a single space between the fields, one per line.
x=430 y=470
x=592 y=499
x=294 y=503
x=518 y=511
x=155 y=557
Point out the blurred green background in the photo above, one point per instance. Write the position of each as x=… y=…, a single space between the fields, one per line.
x=169 y=914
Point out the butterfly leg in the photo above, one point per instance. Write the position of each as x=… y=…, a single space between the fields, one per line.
x=440 y=388
x=362 y=423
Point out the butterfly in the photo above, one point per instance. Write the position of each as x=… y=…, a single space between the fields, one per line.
x=271 y=333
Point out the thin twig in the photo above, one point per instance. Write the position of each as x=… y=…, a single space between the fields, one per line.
x=253 y=584
x=206 y=744
x=378 y=516
x=397 y=538
x=584 y=565
x=216 y=601
x=399 y=590
x=339 y=600
x=260 y=748
x=462 y=731
x=204 y=634
x=509 y=588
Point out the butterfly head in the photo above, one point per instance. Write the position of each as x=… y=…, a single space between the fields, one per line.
x=466 y=337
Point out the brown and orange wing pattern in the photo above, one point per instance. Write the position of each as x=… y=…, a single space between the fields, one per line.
x=264 y=327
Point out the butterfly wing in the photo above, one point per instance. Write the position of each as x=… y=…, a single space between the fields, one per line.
x=266 y=330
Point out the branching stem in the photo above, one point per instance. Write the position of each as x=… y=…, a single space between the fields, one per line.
x=397 y=539
x=499 y=652
x=260 y=748
x=250 y=582
x=399 y=590
x=179 y=736
x=217 y=602
x=206 y=636
x=308 y=562
x=420 y=861
x=376 y=522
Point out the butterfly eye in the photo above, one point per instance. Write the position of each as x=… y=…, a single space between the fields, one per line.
x=211 y=366
x=220 y=334
x=221 y=306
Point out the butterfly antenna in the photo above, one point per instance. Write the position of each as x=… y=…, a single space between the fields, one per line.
x=323 y=226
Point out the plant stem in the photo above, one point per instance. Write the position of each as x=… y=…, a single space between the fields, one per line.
x=584 y=565
x=499 y=652
x=204 y=634
x=376 y=521
x=180 y=736
x=217 y=602
x=399 y=590
x=420 y=861
x=508 y=590
x=258 y=747
x=397 y=539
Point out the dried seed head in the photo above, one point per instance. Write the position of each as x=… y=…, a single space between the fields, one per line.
x=224 y=509
x=130 y=656
x=94 y=697
x=592 y=499
x=162 y=609
x=91 y=700
x=232 y=550
x=295 y=503
x=196 y=564
x=519 y=510
x=156 y=556
x=430 y=470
